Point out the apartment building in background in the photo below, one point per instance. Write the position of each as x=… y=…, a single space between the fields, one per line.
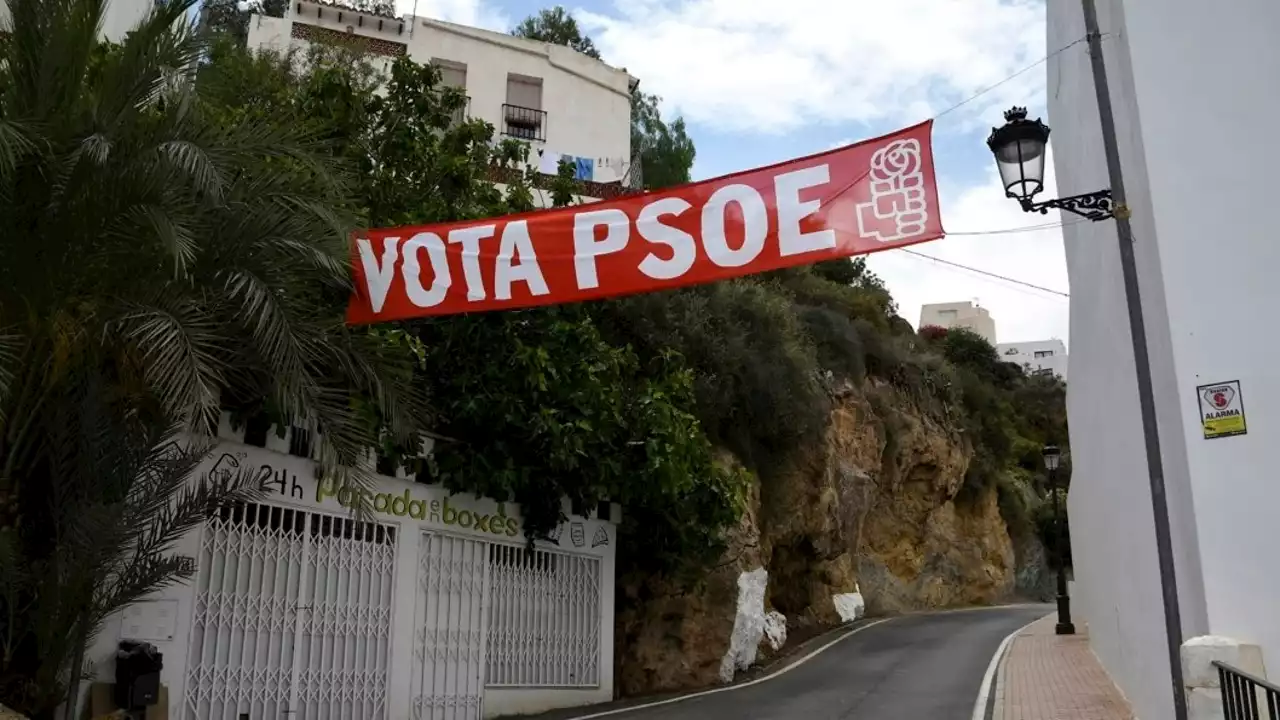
x=1037 y=355
x=565 y=105
x=1199 y=179
x=966 y=315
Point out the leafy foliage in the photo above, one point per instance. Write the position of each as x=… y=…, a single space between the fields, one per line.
x=558 y=412
x=230 y=18
x=181 y=261
x=665 y=149
x=538 y=404
x=119 y=497
x=556 y=26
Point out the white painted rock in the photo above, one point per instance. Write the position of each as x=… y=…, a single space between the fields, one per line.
x=849 y=606
x=748 y=624
x=775 y=629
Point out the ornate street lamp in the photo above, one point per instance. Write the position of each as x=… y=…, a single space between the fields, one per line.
x=1052 y=457
x=1019 y=146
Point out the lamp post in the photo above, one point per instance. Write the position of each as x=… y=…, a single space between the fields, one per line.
x=1052 y=456
x=1016 y=146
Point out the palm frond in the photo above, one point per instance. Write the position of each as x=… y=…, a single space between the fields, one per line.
x=195 y=164
x=172 y=235
x=16 y=141
x=11 y=344
x=286 y=349
x=179 y=344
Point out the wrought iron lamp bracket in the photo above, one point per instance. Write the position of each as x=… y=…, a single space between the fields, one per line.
x=1095 y=205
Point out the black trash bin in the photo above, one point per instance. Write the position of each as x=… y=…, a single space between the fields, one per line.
x=138 y=666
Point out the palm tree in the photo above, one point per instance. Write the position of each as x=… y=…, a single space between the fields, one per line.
x=121 y=495
x=183 y=263
x=200 y=263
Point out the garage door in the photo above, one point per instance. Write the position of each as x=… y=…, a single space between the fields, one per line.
x=292 y=617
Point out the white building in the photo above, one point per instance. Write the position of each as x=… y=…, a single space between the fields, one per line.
x=563 y=103
x=432 y=609
x=1037 y=355
x=118 y=18
x=1199 y=165
x=962 y=315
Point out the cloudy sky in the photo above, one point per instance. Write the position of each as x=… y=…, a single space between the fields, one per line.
x=760 y=81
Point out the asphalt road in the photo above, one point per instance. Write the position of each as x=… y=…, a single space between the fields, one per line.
x=915 y=667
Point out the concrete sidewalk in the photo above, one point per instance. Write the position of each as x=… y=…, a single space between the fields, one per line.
x=1044 y=676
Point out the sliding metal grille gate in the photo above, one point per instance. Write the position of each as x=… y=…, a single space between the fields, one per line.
x=544 y=619
x=292 y=617
x=448 y=661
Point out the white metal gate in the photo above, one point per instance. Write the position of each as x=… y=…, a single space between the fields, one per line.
x=449 y=641
x=292 y=617
x=544 y=619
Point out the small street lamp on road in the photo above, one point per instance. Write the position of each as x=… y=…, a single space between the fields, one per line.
x=1052 y=456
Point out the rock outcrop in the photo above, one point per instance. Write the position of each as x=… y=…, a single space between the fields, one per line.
x=877 y=509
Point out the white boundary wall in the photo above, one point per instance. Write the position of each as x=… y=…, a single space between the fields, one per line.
x=1200 y=182
x=167 y=619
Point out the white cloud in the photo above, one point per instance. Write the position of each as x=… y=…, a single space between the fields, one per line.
x=475 y=13
x=771 y=65
x=1034 y=256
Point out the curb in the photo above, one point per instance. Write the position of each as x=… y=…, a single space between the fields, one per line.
x=984 y=707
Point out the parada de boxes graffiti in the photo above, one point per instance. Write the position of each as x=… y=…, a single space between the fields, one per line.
x=284 y=483
x=436 y=511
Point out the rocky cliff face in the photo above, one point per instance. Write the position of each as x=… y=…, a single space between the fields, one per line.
x=876 y=508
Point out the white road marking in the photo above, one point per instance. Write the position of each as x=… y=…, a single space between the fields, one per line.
x=727 y=688
x=810 y=656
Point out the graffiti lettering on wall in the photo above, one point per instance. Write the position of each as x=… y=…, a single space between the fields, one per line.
x=282 y=482
x=270 y=480
x=436 y=511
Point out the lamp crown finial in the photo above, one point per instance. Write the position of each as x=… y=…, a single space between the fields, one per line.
x=1015 y=114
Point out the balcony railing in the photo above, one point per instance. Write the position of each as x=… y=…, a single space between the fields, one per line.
x=1243 y=694
x=524 y=123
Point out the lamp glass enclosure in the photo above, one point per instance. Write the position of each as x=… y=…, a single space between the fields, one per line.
x=1021 y=164
x=1052 y=456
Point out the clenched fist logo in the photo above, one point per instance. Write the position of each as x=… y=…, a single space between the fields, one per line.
x=898 y=209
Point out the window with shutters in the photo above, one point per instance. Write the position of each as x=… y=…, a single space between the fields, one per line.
x=454 y=75
x=522 y=114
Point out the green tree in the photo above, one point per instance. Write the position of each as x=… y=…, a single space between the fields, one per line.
x=556 y=26
x=122 y=496
x=538 y=404
x=665 y=149
x=228 y=17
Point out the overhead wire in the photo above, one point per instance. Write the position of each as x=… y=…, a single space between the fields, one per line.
x=1024 y=228
x=1016 y=75
x=987 y=273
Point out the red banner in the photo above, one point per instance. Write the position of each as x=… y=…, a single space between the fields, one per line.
x=875 y=195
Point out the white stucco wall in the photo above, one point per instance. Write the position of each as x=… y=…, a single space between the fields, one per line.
x=1212 y=177
x=588 y=102
x=962 y=315
x=1205 y=254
